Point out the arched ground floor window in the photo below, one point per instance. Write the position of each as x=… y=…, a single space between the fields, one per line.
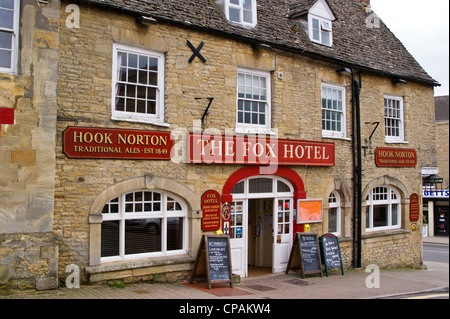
x=334 y=213
x=144 y=219
x=143 y=224
x=383 y=210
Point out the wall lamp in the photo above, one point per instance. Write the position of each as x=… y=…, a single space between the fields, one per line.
x=343 y=71
x=399 y=81
x=146 y=20
x=260 y=46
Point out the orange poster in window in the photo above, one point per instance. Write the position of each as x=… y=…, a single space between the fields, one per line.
x=309 y=211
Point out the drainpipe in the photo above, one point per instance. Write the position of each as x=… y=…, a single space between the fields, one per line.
x=357 y=170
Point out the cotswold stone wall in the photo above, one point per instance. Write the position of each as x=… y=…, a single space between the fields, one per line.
x=28 y=249
x=28 y=261
x=392 y=251
x=84 y=99
x=27 y=147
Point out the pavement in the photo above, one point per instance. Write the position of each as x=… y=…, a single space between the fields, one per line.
x=354 y=284
x=439 y=240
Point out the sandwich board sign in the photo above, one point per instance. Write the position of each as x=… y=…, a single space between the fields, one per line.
x=331 y=252
x=305 y=255
x=213 y=260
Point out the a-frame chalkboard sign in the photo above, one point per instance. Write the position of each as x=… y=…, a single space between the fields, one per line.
x=305 y=255
x=331 y=252
x=213 y=260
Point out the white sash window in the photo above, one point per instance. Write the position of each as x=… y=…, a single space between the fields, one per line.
x=9 y=34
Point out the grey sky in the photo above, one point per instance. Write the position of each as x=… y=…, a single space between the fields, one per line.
x=423 y=28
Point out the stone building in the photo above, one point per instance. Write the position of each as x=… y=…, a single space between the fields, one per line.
x=299 y=114
x=29 y=56
x=435 y=179
x=442 y=136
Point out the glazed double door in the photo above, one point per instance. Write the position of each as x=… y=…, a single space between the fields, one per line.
x=261 y=233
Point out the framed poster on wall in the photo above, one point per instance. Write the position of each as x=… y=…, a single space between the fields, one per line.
x=309 y=211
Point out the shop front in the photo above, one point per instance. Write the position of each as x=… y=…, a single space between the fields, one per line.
x=254 y=189
x=436 y=212
x=435 y=203
x=152 y=224
x=262 y=198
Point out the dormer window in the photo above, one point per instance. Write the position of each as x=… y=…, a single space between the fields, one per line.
x=242 y=12
x=315 y=17
x=320 y=30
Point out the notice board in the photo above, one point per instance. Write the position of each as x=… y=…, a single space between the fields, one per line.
x=414 y=207
x=305 y=255
x=211 y=210
x=213 y=260
x=331 y=253
x=309 y=211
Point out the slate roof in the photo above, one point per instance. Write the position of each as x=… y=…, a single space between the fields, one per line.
x=297 y=7
x=441 y=104
x=354 y=44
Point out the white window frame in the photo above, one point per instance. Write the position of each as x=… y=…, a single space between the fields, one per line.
x=240 y=7
x=255 y=128
x=246 y=194
x=155 y=119
x=237 y=214
x=400 y=118
x=15 y=40
x=388 y=202
x=273 y=193
x=122 y=216
x=323 y=29
x=334 y=201
x=342 y=133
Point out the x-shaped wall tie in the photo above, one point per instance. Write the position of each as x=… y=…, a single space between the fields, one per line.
x=196 y=52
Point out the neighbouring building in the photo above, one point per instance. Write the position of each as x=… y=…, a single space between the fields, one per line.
x=29 y=57
x=297 y=114
x=435 y=179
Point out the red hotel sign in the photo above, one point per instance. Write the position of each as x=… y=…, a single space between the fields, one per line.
x=211 y=210
x=395 y=157
x=86 y=142
x=222 y=149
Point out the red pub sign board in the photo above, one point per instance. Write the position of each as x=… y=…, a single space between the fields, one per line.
x=223 y=149
x=211 y=210
x=88 y=142
x=395 y=157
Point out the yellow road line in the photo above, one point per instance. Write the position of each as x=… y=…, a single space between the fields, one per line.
x=429 y=296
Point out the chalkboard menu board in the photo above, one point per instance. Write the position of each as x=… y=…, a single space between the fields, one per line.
x=310 y=252
x=331 y=252
x=305 y=255
x=213 y=260
x=218 y=258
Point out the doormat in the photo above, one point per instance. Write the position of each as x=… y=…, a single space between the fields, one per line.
x=219 y=290
x=299 y=282
x=260 y=288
